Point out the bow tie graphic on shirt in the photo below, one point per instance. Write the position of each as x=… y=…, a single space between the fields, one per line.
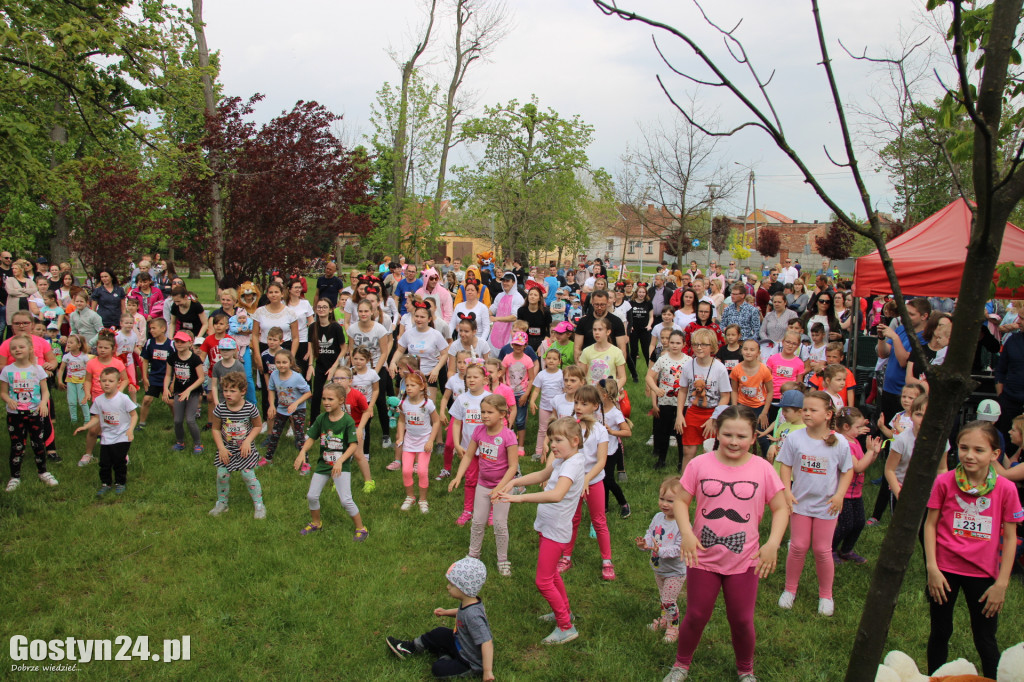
x=734 y=543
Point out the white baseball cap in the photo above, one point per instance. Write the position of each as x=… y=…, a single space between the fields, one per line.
x=989 y=410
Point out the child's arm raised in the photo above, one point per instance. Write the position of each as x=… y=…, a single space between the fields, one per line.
x=874 y=447
x=554 y=495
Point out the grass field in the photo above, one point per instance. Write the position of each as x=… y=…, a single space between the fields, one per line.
x=259 y=601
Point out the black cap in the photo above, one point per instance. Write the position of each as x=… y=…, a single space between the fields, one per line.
x=508 y=275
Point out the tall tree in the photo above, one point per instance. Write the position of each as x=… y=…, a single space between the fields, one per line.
x=985 y=54
x=479 y=26
x=534 y=176
x=688 y=173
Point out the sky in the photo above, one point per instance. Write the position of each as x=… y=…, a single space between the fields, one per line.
x=577 y=60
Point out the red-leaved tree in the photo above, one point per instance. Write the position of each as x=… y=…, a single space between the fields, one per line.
x=290 y=188
x=768 y=242
x=720 y=234
x=117 y=209
x=837 y=243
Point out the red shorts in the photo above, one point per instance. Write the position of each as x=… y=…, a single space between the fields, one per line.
x=696 y=417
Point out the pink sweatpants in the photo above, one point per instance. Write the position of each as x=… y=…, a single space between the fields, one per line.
x=469 y=483
x=449 y=447
x=549 y=582
x=422 y=462
x=702 y=588
x=595 y=505
x=805 y=533
x=542 y=428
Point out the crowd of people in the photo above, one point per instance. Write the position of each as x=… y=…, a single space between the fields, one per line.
x=746 y=368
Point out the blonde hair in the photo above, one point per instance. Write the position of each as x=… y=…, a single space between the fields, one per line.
x=574 y=371
x=706 y=336
x=567 y=428
x=670 y=483
x=497 y=402
x=230 y=292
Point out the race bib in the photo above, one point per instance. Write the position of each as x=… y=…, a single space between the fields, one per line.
x=749 y=391
x=110 y=419
x=415 y=418
x=473 y=417
x=784 y=371
x=235 y=431
x=810 y=464
x=332 y=446
x=181 y=373
x=488 y=451
x=729 y=364
x=972 y=526
x=533 y=331
x=159 y=354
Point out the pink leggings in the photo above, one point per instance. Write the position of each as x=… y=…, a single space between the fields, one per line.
x=806 y=533
x=542 y=428
x=469 y=483
x=595 y=505
x=549 y=582
x=421 y=460
x=702 y=589
x=449 y=447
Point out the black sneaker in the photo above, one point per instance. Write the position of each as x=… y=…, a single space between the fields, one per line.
x=400 y=647
x=624 y=511
x=53 y=457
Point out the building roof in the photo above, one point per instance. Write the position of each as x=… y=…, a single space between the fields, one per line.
x=650 y=221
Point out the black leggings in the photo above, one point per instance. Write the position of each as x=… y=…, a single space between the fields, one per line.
x=441 y=641
x=889 y=406
x=317 y=392
x=30 y=427
x=663 y=425
x=610 y=484
x=114 y=458
x=380 y=410
x=849 y=526
x=983 y=629
x=639 y=343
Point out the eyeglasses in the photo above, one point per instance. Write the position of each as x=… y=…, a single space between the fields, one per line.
x=701 y=345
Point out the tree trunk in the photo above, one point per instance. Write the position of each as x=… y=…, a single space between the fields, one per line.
x=216 y=210
x=195 y=267
x=458 y=73
x=59 y=252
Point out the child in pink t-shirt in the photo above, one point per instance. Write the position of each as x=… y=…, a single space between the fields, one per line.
x=520 y=369
x=496 y=379
x=785 y=365
x=968 y=508
x=731 y=487
x=850 y=423
x=496 y=451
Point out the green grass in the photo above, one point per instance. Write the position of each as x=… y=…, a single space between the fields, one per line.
x=261 y=602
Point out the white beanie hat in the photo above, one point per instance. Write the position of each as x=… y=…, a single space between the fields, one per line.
x=468 y=575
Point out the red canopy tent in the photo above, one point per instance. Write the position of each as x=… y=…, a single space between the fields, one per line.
x=929 y=258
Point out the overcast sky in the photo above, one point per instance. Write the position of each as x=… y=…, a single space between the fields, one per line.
x=579 y=61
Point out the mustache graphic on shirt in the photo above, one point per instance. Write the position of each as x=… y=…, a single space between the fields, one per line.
x=730 y=514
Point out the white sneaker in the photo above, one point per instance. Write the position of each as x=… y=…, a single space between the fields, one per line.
x=263 y=429
x=676 y=674
x=48 y=479
x=826 y=607
x=386 y=443
x=290 y=434
x=443 y=474
x=424 y=507
x=407 y=505
x=218 y=509
x=260 y=513
x=13 y=484
x=786 y=600
x=650 y=441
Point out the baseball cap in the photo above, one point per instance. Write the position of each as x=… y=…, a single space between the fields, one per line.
x=519 y=338
x=563 y=327
x=227 y=343
x=989 y=410
x=792 y=398
x=508 y=275
x=183 y=336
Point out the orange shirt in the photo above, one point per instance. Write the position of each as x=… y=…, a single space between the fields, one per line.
x=751 y=386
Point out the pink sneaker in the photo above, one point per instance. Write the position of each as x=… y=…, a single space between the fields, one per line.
x=464 y=518
x=304 y=469
x=607 y=572
x=564 y=564
x=394 y=466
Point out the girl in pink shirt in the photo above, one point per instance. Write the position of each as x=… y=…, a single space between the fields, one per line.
x=496 y=451
x=850 y=423
x=969 y=509
x=731 y=487
x=496 y=377
x=785 y=365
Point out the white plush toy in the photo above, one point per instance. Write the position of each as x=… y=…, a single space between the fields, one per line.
x=898 y=667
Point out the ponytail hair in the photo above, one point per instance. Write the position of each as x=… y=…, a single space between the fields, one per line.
x=589 y=394
x=848 y=416
x=831 y=439
x=567 y=428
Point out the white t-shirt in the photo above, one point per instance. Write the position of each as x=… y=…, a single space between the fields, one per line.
x=668 y=373
x=115 y=417
x=682 y=320
x=455 y=384
x=483 y=318
x=598 y=435
x=613 y=418
x=622 y=311
x=369 y=340
x=716 y=379
x=813 y=353
x=268 y=320
x=466 y=408
x=417 y=424
x=550 y=385
x=816 y=470
x=903 y=443
x=427 y=346
x=364 y=383
x=554 y=519
x=517 y=302
x=562 y=406
x=788 y=275
x=481 y=349
x=303 y=311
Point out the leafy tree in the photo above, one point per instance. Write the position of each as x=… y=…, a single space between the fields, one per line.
x=115 y=209
x=290 y=187
x=768 y=242
x=737 y=243
x=720 y=232
x=837 y=243
x=533 y=178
